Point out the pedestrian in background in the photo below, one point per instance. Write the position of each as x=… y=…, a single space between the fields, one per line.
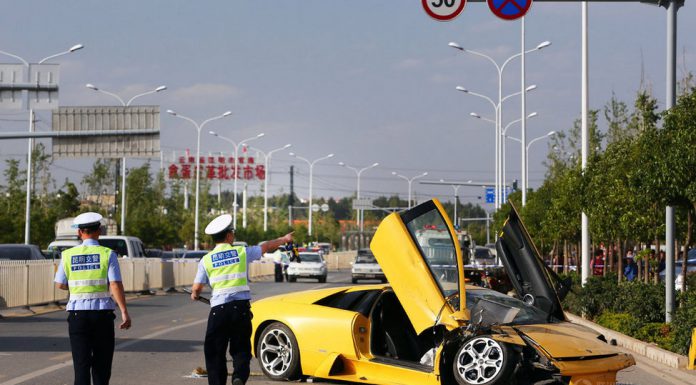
x=88 y=271
x=229 y=321
x=597 y=263
x=631 y=268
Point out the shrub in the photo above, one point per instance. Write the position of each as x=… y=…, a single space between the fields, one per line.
x=644 y=301
x=621 y=322
x=657 y=333
x=684 y=321
x=598 y=295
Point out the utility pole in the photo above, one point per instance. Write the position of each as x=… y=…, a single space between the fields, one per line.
x=291 y=198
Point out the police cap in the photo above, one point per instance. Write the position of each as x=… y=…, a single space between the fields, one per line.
x=87 y=220
x=220 y=224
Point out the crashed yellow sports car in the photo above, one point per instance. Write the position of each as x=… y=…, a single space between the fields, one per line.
x=427 y=326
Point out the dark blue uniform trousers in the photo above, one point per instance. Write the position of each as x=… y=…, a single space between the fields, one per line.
x=229 y=325
x=92 y=344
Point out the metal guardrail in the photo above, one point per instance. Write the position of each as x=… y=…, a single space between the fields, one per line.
x=27 y=283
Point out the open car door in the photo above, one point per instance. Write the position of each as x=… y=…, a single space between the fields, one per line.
x=421 y=259
x=530 y=277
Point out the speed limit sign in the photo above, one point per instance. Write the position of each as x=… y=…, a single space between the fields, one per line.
x=443 y=10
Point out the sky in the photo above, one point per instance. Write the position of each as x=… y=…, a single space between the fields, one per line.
x=370 y=81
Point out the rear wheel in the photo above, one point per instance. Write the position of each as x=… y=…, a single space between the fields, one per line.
x=278 y=353
x=354 y=280
x=292 y=278
x=322 y=279
x=483 y=361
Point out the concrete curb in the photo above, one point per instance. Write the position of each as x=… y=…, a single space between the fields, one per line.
x=645 y=349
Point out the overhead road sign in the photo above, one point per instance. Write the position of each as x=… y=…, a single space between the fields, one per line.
x=111 y=121
x=457 y=183
x=509 y=9
x=362 y=204
x=443 y=10
x=42 y=86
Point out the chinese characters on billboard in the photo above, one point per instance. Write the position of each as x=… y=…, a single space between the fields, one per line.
x=217 y=168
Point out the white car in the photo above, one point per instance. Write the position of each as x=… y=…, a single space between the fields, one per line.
x=365 y=266
x=311 y=265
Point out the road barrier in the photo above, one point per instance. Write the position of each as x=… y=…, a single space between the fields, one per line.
x=27 y=283
x=692 y=351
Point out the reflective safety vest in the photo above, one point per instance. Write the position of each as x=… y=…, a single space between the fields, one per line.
x=86 y=268
x=226 y=267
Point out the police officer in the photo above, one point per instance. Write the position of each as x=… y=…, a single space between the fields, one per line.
x=229 y=321
x=88 y=271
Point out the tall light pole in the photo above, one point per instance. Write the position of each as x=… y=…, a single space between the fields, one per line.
x=236 y=145
x=27 y=211
x=497 y=124
x=525 y=167
x=198 y=160
x=498 y=106
x=267 y=165
x=311 y=174
x=504 y=164
x=123 y=160
x=358 y=172
x=456 y=200
x=410 y=181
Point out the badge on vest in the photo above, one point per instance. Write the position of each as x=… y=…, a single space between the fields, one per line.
x=85 y=262
x=224 y=258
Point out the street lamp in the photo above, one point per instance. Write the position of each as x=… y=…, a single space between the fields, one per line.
x=359 y=219
x=504 y=164
x=267 y=164
x=27 y=212
x=311 y=173
x=236 y=169
x=525 y=167
x=498 y=106
x=123 y=160
x=198 y=160
x=410 y=181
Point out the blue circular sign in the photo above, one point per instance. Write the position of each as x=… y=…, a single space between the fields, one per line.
x=509 y=9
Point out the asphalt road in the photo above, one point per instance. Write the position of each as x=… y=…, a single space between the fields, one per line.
x=165 y=344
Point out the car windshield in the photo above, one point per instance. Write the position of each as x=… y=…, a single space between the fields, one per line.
x=438 y=247
x=310 y=257
x=117 y=245
x=490 y=307
x=365 y=259
x=483 y=253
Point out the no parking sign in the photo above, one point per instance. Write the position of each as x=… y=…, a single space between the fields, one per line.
x=509 y=9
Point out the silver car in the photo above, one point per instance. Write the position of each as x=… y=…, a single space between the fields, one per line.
x=311 y=265
x=365 y=266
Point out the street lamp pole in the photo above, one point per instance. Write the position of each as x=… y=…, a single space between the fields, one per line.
x=123 y=160
x=27 y=211
x=456 y=200
x=410 y=181
x=267 y=164
x=498 y=141
x=311 y=173
x=198 y=161
x=236 y=169
x=533 y=114
x=358 y=172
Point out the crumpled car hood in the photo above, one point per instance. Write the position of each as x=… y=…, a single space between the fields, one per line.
x=567 y=340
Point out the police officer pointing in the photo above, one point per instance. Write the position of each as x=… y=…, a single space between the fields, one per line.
x=88 y=271
x=229 y=321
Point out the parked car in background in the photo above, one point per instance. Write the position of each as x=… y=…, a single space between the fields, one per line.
x=312 y=265
x=365 y=266
x=483 y=256
x=678 y=263
x=20 y=252
x=123 y=245
x=195 y=254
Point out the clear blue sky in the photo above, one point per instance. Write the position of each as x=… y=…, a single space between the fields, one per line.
x=371 y=81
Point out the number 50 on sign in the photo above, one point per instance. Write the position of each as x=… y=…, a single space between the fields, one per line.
x=443 y=10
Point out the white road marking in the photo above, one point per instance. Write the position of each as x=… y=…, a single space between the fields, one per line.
x=122 y=345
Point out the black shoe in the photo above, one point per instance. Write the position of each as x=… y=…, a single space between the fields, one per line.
x=237 y=381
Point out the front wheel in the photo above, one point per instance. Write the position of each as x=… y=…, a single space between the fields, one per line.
x=322 y=279
x=483 y=361
x=278 y=353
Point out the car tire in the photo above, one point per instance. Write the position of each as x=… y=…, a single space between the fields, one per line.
x=278 y=353
x=481 y=360
x=354 y=280
x=291 y=278
x=322 y=279
x=384 y=280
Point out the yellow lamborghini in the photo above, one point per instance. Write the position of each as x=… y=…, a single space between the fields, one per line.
x=426 y=326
